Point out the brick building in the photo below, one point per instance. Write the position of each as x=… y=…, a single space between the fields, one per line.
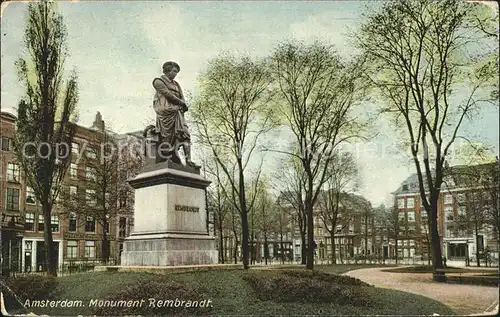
x=77 y=237
x=459 y=209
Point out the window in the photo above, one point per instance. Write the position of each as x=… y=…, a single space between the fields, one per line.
x=54 y=223
x=12 y=199
x=405 y=187
x=123 y=199
x=72 y=249
x=410 y=202
x=73 y=171
x=13 y=172
x=90 y=197
x=107 y=198
x=122 y=227
x=423 y=214
x=338 y=229
x=40 y=223
x=29 y=221
x=90 y=173
x=123 y=175
x=91 y=153
x=75 y=147
x=30 y=196
x=448 y=212
x=401 y=217
x=461 y=198
x=401 y=203
x=448 y=199
x=72 y=222
x=462 y=210
x=5 y=144
x=73 y=190
x=90 y=249
x=90 y=224
x=411 y=216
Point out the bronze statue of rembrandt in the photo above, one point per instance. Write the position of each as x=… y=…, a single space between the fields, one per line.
x=171 y=131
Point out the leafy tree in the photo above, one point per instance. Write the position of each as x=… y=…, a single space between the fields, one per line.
x=426 y=60
x=230 y=115
x=342 y=172
x=291 y=184
x=315 y=94
x=44 y=130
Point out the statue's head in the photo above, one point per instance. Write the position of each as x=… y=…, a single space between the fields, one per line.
x=171 y=69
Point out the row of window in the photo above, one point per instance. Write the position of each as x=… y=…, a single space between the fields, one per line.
x=14 y=172
x=90 y=224
x=447 y=200
x=72 y=249
x=29 y=223
x=90 y=152
x=13 y=197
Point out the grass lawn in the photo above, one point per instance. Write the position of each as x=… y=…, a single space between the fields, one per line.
x=343 y=268
x=236 y=292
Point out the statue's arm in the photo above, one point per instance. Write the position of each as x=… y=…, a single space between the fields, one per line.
x=163 y=89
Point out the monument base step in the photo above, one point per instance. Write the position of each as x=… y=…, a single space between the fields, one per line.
x=167 y=251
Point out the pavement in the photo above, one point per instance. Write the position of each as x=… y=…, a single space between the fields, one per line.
x=463 y=299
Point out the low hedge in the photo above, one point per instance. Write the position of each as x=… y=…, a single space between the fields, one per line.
x=33 y=287
x=309 y=287
x=158 y=290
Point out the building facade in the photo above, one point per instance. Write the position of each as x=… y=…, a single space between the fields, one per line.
x=464 y=226
x=77 y=236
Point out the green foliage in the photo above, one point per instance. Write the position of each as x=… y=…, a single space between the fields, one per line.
x=33 y=287
x=154 y=289
x=308 y=287
x=44 y=112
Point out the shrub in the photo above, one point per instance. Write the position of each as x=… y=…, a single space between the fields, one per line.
x=33 y=287
x=158 y=290
x=309 y=287
x=327 y=277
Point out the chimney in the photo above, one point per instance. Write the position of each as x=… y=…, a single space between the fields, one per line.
x=98 y=122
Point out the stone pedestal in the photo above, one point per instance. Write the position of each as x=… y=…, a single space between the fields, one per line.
x=170 y=218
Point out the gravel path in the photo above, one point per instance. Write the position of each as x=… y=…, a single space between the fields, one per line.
x=464 y=299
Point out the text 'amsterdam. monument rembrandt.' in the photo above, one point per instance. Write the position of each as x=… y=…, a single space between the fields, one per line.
x=170 y=216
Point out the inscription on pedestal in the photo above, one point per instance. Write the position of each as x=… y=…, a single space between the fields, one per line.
x=186 y=208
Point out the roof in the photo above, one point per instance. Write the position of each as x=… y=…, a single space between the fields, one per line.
x=8 y=116
x=454 y=176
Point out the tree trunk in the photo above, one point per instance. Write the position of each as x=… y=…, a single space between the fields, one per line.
x=310 y=229
x=266 y=248
x=396 y=249
x=221 y=243
x=303 y=246
x=104 y=246
x=281 y=246
x=332 y=238
x=244 y=216
x=476 y=231
x=437 y=261
x=366 y=237
x=50 y=252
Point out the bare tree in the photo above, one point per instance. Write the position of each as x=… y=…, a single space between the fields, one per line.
x=266 y=215
x=341 y=173
x=316 y=92
x=105 y=159
x=44 y=130
x=230 y=115
x=419 y=54
x=218 y=202
x=291 y=185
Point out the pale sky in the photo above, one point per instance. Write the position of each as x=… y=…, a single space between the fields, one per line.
x=118 y=49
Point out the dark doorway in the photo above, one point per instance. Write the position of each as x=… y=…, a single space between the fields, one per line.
x=40 y=255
